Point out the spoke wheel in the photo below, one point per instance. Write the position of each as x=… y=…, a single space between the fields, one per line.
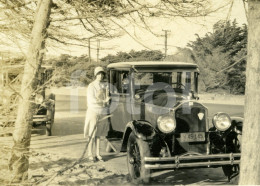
x=137 y=149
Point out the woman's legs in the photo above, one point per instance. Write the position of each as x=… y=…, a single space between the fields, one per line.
x=97 y=146
x=91 y=147
x=94 y=143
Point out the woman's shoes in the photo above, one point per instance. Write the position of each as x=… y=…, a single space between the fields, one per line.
x=99 y=158
x=91 y=159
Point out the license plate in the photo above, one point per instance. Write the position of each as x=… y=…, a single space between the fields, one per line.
x=192 y=137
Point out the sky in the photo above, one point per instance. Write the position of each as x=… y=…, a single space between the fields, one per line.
x=180 y=33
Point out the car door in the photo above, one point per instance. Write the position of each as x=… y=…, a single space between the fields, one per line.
x=120 y=100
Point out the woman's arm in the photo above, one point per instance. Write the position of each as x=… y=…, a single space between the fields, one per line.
x=93 y=97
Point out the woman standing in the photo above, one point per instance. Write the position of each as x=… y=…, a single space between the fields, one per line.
x=96 y=123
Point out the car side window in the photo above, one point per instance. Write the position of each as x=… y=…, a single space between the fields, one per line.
x=142 y=81
x=120 y=82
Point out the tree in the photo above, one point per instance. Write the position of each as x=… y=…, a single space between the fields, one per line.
x=93 y=19
x=69 y=69
x=221 y=56
x=250 y=161
x=143 y=55
x=19 y=161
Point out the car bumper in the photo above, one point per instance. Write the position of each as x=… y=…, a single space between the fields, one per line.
x=192 y=161
x=40 y=118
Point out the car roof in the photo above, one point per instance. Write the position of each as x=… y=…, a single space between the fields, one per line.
x=152 y=64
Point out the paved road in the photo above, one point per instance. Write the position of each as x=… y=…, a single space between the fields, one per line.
x=70 y=113
x=67 y=140
x=232 y=110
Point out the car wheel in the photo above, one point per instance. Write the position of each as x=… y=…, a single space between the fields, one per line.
x=49 y=123
x=53 y=113
x=137 y=149
x=48 y=129
x=232 y=171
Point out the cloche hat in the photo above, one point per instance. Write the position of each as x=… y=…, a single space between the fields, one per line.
x=98 y=70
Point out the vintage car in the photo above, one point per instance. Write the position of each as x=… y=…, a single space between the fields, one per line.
x=10 y=83
x=155 y=111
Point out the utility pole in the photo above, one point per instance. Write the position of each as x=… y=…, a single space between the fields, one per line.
x=89 y=56
x=165 y=42
x=98 y=46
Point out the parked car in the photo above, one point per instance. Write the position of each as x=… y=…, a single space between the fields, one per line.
x=156 y=113
x=10 y=84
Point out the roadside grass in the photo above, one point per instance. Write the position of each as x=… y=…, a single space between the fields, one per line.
x=222 y=98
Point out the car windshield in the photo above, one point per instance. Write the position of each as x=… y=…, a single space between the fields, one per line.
x=179 y=82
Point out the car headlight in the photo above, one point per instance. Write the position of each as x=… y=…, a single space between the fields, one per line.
x=221 y=121
x=38 y=99
x=166 y=123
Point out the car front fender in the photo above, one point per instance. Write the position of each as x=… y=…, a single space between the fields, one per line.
x=142 y=130
x=237 y=119
x=237 y=124
x=227 y=141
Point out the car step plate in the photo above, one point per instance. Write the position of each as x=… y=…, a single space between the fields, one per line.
x=192 y=137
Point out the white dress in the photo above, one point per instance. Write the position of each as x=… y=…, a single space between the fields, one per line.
x=96 y=115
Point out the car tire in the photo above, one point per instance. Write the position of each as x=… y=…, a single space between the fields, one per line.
x=137 y=149
x=51 y=114
x=49 y=124
x=48 y=129
x=232 y=171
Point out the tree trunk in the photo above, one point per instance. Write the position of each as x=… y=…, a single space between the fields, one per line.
x=19 y=161
x=250 y=161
